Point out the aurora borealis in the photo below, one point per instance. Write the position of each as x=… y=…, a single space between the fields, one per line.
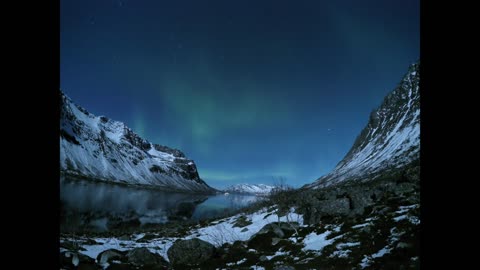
x=250 y=90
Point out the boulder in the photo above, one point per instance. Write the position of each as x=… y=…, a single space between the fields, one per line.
x=263 y=258
x=403 y=245
x=272 y=227
x=271 y=233
x=70 y=245
x=275 y=241
x=124 y=237
x=289 y=226
x=109 y=255
x=143 y=256
x=190 y=252
x=335 y=207
x=74 y=260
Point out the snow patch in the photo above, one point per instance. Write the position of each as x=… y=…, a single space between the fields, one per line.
x=224 y=232
x=317 y=242
x=361 y=225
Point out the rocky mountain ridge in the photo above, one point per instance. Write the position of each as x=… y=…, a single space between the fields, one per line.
x=258 y=189
x=390 y=140
x=99 y=148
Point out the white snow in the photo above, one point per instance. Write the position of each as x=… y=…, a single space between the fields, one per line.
x=155 y=246
x=405 y=209
x=344 y=245
x=75 y=260
x=259 y=189
x=105 y=154
x=402 y=217
x=217 y=234
x=224 y=232
x=343 y=250
x=237 y=263
x=365 y=262
x=381 y=252
x=162 y=156
x=317 y=242
x=367 y=259
x=278 y=253
x=414 y=220
x=361 y=225
x=340 y=253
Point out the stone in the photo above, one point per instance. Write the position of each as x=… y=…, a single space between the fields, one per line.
x=109 y=255
x=272 y=227
x=403 y=245
x=124 y=237
x=190 y=252
x=70 y=245
x=143 y=256
x=263 y=258
x=335 y=207
x=69 y=259
x=275 y=241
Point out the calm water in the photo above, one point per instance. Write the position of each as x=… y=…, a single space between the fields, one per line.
x=87 y=205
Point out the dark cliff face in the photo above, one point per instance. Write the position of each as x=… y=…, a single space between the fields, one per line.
x=100 y=148
x=390 y=140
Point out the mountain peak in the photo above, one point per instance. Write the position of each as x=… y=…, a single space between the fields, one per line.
x=244 y=188
x=390 y=140
x=103 y=149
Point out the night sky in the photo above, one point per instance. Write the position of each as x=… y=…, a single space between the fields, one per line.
x=250 y=90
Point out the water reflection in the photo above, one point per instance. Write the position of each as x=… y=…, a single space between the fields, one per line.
x=87 y=205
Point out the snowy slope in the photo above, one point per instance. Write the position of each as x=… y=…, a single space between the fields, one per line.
x=218 y=233
x=99 y=148
x=259 y=189
x=390 y=140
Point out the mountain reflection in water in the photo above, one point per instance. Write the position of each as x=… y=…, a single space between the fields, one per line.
x=94 y=206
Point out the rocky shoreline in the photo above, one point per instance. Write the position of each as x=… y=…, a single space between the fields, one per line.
x=373 y=225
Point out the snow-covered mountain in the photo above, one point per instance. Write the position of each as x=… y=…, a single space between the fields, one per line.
x=390 y=140
x=102 y=149
x=257 y=189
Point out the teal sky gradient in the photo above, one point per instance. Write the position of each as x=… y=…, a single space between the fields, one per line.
x=250 y=90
